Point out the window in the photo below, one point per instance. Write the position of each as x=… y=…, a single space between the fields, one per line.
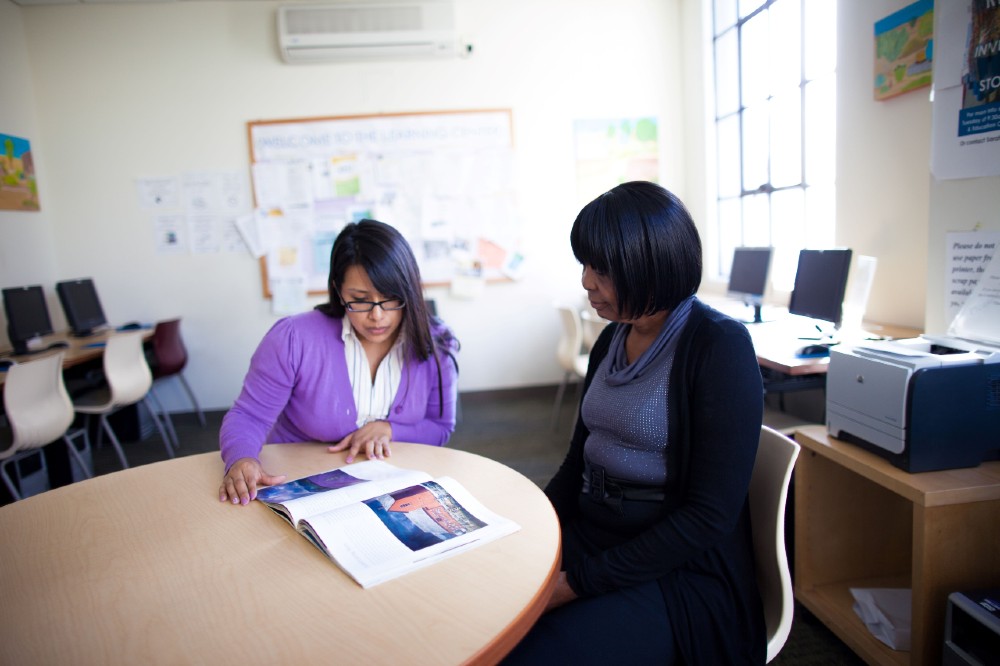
x=775 y=129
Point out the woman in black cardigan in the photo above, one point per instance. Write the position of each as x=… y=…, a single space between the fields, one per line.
x=652 y=496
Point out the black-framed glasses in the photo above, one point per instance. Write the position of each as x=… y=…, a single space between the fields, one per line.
x=367 y=306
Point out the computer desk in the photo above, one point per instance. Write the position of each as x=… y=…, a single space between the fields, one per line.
x=146 y=566
x=78 y=350
x=784 y=371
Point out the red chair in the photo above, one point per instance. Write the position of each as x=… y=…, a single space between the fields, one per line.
x=168 y=360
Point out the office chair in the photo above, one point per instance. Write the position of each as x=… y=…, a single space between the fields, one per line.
x=169 y=358
x=129 y=381
x=39 y=411
x=772 y=472
x=573 y=362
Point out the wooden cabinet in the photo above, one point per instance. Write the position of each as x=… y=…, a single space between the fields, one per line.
x=861 y=522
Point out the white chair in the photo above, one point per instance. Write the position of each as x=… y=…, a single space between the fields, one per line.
x=772 y=472
x=128 y=383
x=39 y=411
x=573 y=362
x=592 y=327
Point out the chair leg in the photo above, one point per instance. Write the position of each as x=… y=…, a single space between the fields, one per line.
x=7 y=480
x=100 y=433
x=559 y=398
x=159 y=426
x=197 y=407
x=174 y=441
x=68 y=438
x=114 y=439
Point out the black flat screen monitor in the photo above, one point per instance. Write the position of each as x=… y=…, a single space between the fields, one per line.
x=748 y=276
x=27 y=316
x=820 y=282
x=82 y=306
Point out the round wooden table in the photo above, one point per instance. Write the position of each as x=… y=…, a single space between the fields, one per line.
x=147 y=566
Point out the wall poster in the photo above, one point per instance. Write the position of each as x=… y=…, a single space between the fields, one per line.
x=18 y=188
x=965 y=138
x=444 y=179
x=904 y=49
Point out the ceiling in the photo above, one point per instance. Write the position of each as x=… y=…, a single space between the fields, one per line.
x=33 y=3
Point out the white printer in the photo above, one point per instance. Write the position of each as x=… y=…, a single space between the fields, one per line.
x=926 y=403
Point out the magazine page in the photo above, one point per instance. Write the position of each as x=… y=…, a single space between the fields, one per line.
x=296 y=499
x=404 y=529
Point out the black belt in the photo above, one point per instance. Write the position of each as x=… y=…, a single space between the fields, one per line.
x=601 y=487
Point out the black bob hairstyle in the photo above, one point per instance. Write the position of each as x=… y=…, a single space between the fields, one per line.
x=642 y=237
x=389 y=262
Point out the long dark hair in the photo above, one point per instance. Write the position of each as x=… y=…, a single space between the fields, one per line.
x=386 y=257
x=643 y=237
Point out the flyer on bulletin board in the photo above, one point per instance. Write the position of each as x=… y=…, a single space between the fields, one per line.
x=443 y=179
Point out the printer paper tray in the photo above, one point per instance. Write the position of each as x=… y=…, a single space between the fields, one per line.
x=840 y=420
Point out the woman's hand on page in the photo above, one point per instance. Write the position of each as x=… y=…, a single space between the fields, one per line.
x=371 y=438
x=239 y=486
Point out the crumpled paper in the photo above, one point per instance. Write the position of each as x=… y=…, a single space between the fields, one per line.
x=886 y=612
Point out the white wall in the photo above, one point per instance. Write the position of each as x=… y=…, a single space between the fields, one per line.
x=125 y=91
x=883 y=170
x=888 y=203
x=27 y=250
x=108 y=93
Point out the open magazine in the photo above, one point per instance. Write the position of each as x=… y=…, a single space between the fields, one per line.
x=377 y=521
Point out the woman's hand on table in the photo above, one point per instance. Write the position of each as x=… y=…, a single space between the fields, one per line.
x=372 y=439
x=239 y=486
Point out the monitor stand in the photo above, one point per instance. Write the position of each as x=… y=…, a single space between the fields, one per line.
x=757 y=318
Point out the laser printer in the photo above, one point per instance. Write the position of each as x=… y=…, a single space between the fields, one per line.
x=925 y=403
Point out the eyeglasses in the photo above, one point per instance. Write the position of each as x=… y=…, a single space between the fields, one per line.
x=368 y=306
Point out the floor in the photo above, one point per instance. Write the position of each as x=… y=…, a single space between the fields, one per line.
x=513 y=427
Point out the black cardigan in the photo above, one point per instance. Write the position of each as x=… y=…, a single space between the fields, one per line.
x=701 y=551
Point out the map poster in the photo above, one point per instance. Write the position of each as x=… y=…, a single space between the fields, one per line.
x=904 y=47
x=18 y=189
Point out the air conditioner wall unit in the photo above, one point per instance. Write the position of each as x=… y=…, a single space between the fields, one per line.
x=372 y=30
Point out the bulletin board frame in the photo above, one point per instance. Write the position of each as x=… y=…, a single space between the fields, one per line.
x=443 y=178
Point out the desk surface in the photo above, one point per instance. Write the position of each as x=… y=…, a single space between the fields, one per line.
x=80 y=350
x=940 y=488
x=776 y=344
x=776 y=348
x=147 y=566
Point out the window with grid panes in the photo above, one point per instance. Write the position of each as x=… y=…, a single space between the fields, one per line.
x=775 y=128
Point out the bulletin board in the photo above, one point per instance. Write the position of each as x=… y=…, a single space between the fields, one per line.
x=443 y=179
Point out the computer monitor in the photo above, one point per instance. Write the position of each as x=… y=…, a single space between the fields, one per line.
x=820 y=282
x=82 y=306
x=27 y=316
x=748 y=276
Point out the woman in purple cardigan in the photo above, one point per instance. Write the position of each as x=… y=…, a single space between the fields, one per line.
x=368 y=367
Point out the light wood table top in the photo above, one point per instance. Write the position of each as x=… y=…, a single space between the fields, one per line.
x=146 y=566
x=939 y=488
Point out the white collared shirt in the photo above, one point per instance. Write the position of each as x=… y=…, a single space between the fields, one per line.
x=373 y=398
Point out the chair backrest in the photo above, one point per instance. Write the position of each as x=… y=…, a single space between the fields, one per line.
x=572 y=337
x=772 y=472
x=592 y=326
x=169 y=352
x=126 y=369
x=36 y=402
